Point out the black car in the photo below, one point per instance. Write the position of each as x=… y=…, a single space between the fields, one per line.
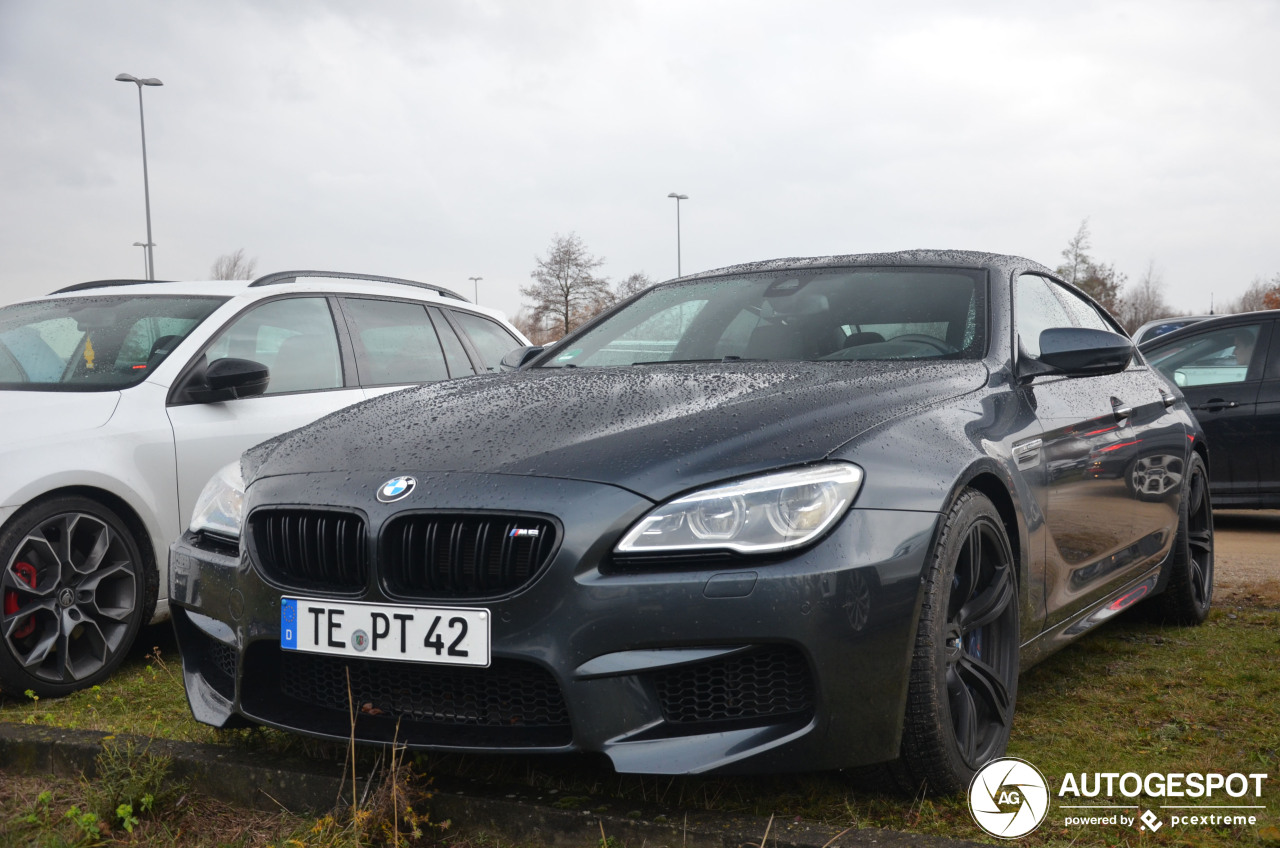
x=1229 y=369
x=796 y=515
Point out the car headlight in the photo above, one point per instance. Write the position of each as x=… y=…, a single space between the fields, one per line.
x=772 y=512
x=220 y=507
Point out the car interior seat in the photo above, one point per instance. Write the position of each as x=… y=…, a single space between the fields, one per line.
x=305 y=362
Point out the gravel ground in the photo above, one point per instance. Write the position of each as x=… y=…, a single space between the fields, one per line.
x=1247 y=554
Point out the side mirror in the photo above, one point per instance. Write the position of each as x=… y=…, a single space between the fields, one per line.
x=243 y=376
x=1082 y=352
x=520 y=356
x=226 y=379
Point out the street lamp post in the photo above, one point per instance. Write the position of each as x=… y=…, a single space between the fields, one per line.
x=678 y=197
x=146 y=187
x=146 y=266
x=475 y=281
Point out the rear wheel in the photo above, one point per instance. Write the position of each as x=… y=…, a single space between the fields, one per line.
x=1189 y=592
x=964 y=670
x=75 y=591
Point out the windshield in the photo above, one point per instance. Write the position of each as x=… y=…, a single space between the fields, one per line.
x=830 y=314
x=88 y=344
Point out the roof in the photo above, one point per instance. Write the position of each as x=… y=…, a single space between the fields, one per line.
x=901 y=258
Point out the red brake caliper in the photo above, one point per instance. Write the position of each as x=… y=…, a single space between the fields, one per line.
x=26 y=572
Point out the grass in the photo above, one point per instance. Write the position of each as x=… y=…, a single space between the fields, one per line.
x=1131 y=697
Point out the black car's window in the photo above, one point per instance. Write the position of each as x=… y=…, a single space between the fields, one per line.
x=294 y=337
x=489 y=337
x=395 y=342
x=99 y=343
x=1037 y=309
x=1273 y=359
x=1211 y=358
x=830 y=314
x=1083 y=313
x=455 y=355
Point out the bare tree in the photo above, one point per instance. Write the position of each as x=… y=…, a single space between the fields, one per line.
x=637 y=282
x=565 y=287
x=535 y=329
x=1102 y=282
x=1076 y=256
x=1256 y=296
x=233 y=266
x=1144 y=301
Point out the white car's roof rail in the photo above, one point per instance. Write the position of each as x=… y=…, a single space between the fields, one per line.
x=282 y=277
x=105 y=284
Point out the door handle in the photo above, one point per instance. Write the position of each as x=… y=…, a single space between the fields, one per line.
x=1121 y=412
x=1216 y=405
x=1169 y=400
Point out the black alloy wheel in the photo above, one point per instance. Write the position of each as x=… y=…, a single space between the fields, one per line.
x=75 y=591
x=1189 y=592
x=964 y=671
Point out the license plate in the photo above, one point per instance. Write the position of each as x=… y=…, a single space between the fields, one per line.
x=385 y=632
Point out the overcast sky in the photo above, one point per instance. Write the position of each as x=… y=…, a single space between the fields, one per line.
x=444 y=140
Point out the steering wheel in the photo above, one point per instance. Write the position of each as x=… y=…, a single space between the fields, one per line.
x=920 y=338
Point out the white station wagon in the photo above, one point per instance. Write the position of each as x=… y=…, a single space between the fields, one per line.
x=120 y=399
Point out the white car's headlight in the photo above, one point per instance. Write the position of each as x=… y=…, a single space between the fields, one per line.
x=220 y=507
x=772 y=512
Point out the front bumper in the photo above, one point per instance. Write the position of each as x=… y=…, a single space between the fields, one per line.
x=720 y=665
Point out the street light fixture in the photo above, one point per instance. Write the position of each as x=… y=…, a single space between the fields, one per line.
x=145 y=265
x=678 y=197
x=475 y=281
x=146 y=187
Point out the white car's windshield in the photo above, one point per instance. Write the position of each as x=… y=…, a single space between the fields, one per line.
x=830 y=314
x=98 y=343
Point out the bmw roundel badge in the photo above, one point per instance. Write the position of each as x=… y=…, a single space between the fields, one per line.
x=396 y=488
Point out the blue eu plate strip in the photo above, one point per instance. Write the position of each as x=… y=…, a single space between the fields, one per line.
x=289 y=623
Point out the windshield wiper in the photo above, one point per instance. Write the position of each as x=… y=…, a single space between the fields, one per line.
x=730 y=358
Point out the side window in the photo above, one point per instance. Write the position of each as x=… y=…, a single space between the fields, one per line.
x=455 y=355
x=395 y=342
x=1273 y=359
x=1081 y=311
x=1036 y=310
x=293 y=337
x=489 y=337
x=1213 y=358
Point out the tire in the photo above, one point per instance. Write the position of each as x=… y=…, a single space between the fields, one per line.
x=75 y=591
x=1189 y=592
x=964 y=668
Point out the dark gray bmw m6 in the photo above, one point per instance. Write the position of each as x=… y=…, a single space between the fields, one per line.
x=795 y=515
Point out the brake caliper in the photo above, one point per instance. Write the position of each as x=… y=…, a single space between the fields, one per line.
x=26 y=572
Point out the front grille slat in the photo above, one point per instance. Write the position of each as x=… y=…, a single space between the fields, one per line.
x=462 y=556
x=311 y=549
x=419 y=555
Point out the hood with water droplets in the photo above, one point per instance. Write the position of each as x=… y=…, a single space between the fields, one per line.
x=655 y=430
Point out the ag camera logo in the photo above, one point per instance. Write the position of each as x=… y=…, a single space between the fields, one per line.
x=1009 y=798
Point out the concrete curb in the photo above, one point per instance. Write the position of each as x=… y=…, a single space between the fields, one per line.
x=266 y=781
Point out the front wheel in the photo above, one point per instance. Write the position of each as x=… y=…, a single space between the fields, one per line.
x=1189 y=592
x=964 y=669
x=75 y=592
